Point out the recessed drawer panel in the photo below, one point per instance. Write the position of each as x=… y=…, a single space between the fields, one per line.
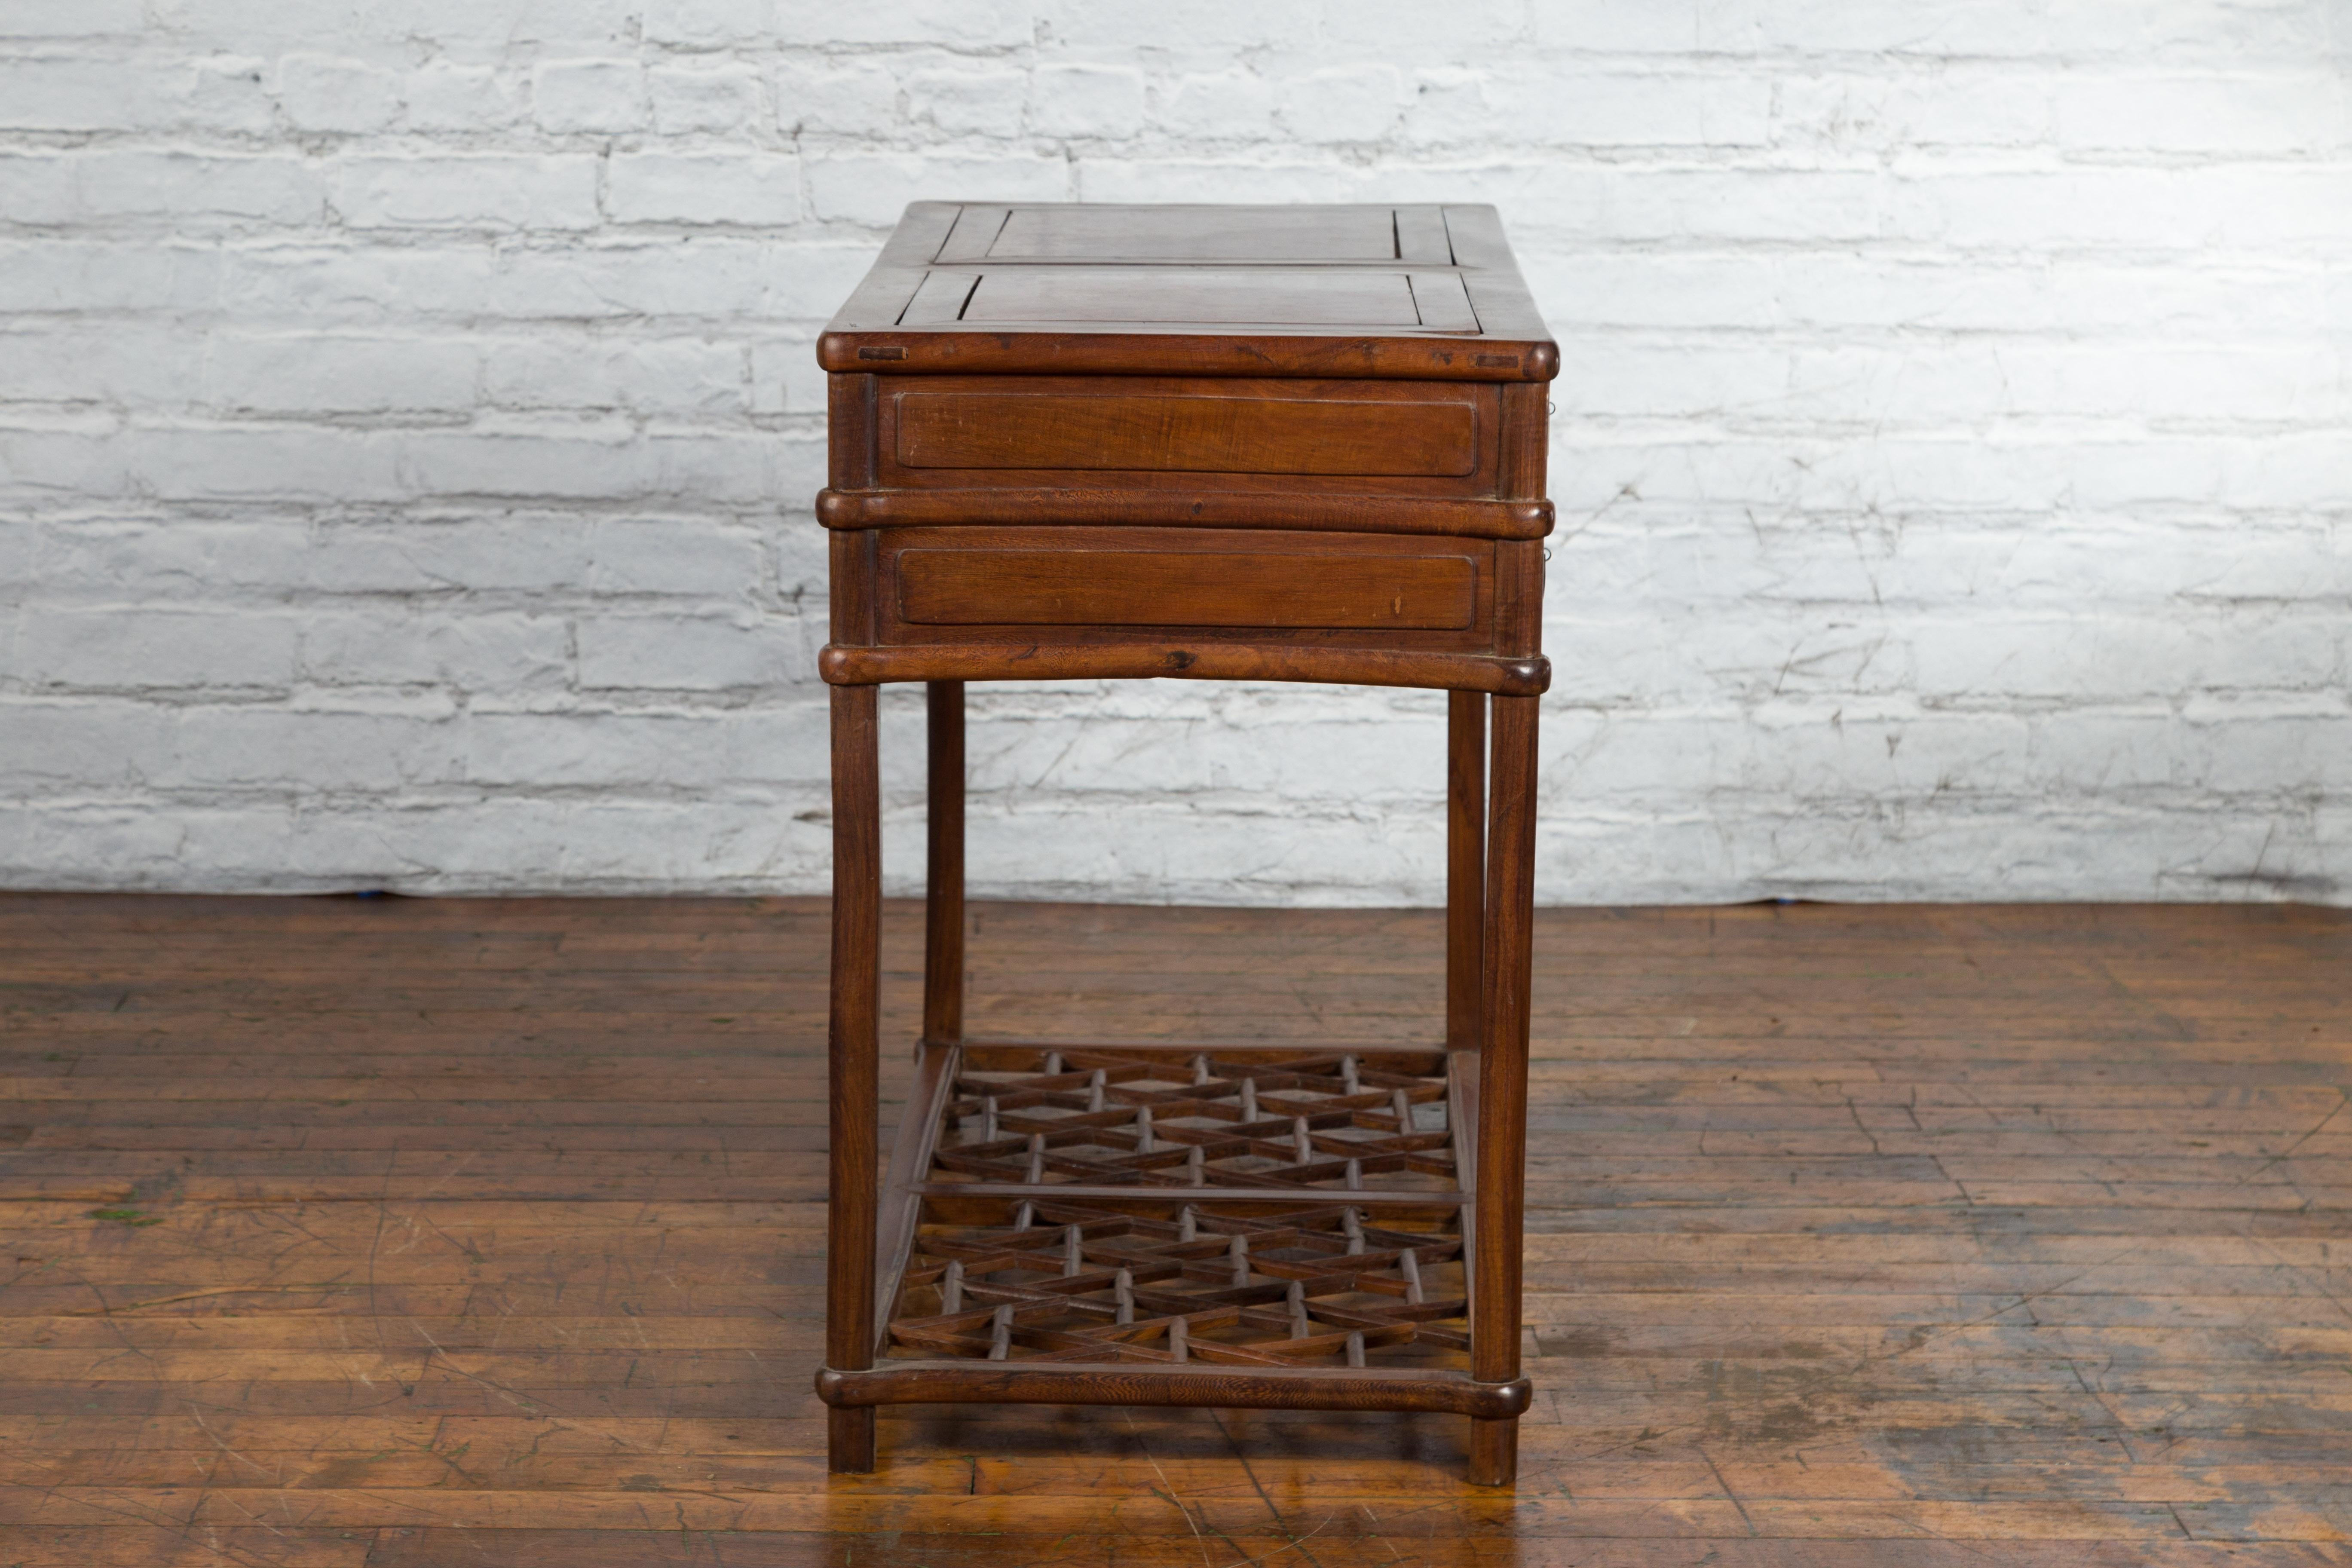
x=1073 y=583
x=1187 y=434
x=1225 y=588
x=1433 y=437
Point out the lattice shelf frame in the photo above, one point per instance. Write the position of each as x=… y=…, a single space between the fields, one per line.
x=1184 y=1283
x=1107 y=1116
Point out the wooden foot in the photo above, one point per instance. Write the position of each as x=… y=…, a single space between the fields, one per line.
x=849 y=1441
x=1494 y=1453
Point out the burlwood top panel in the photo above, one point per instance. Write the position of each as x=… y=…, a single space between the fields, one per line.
x=1379 y=291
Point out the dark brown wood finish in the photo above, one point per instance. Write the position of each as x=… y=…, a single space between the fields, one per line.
x=1198 y=588
x=1472 y=517
x=1220 y=444
x=411 y=1233
x=1339 y=313
x=1497 y=1216
x=1465 y=866
x=1261 y=1388
x=1336 y=1123
x=853 y=1058
x=1102 y=586
x=900 y=1208
x=1503 y=947
x=943 y=912
x=1198 y=658
x=989 y=1203
x=1426 y=439
x=956 y=430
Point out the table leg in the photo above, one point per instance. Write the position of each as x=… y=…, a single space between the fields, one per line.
x=943 y=866
x=853 y=1056
x=1465 y=864
x=1503 y=1081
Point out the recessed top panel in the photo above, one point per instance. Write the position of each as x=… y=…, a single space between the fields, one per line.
x=1195 y=234
x=1217 y=295
x=1294 y=235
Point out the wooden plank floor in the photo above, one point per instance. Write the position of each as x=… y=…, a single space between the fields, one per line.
x=411 y=1234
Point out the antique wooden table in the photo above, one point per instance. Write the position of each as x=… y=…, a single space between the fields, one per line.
x=1216 y=443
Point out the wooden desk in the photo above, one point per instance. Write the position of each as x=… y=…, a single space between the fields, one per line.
x=1216 y=444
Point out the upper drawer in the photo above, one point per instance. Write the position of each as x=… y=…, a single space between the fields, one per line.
x=1129 y=432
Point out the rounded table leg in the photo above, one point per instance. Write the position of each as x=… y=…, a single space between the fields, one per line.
x=943 y=866
x=853 y=1055
x=1465 y=864
x=1500 y=1197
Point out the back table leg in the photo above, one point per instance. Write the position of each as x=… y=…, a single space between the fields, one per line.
x=1465 y=864
x=853 y=1054
x=1503 y=1082
x=943 y=862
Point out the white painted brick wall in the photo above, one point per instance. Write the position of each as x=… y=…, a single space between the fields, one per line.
x=408 y=423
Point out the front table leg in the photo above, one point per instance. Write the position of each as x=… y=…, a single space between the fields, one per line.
x=853 y=1051
x=1503 y=1081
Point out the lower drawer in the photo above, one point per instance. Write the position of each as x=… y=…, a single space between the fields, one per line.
x=1012 y=584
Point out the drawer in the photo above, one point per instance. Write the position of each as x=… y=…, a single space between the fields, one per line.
x=1005 y=585
x=1436 y=438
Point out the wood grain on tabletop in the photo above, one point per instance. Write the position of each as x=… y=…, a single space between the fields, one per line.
x=425 y=1232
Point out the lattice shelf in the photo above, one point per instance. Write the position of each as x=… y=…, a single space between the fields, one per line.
x=1103 y=1116
x=1073 y=1282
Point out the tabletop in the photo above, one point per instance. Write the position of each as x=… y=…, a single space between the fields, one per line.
x=1417 y=292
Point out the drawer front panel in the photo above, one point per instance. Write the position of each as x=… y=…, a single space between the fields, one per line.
x=1136 y=588
x=1410 y=438
x=1006 y=584
x=1183 y=435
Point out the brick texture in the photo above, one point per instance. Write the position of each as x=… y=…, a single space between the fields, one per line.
x=408 y=429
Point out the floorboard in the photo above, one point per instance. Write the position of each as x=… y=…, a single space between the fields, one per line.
x=401 y=1234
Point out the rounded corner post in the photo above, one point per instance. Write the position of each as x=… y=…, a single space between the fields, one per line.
x=1501 y=1154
